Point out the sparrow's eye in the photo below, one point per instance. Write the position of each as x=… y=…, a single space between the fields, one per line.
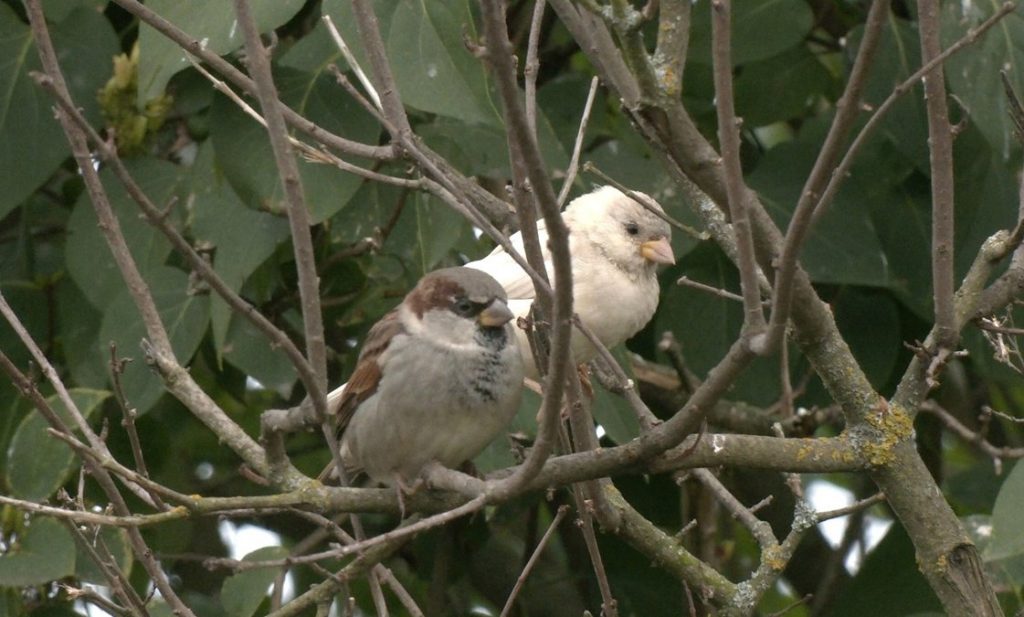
x=465 y=308
x=632 y=229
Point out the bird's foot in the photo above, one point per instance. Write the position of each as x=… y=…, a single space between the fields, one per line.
x=588 y=387
x=405 y=489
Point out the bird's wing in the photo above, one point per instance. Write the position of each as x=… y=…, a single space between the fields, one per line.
x=365 y=379
x=507 y=272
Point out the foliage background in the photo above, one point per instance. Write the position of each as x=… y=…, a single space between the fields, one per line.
x=196 y=153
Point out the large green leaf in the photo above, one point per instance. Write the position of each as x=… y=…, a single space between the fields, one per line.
x=184 y=315
x=426 y=232
x=249 y=349
x=760 y=28
x=433 y=69
x=89 y=261
x=974 y=75
x=212 y=23
x=59 y=10
x=843 y=247
x=905 y=125
x=796 y=79
x=869 y=321
x=107 y=539
x=241 y=237
x=1007 y=523
x=612 y=411
x=244 y=154
x=32 y=143
x=45 y=552
x=38 y=464
x=243 y=593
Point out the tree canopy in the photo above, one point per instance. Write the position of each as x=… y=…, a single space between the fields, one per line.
x=195 y=242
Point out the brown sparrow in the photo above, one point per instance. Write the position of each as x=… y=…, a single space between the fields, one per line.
x=437 y=379
x=616 y=245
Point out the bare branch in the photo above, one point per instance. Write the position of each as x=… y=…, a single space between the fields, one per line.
x=524 y=147
x=940 y=141
x=298 y=216
x=570 y=174
x=729 y=139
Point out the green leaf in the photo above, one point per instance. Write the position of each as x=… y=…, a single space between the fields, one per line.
x=425 y=233
x=869 y=321
x=249 y=349
x=211 y=23
x=109 y=539
x=905 y=126
x=25 y=299
x=241 y=237
x=185 y=316
x=974 y=76
x=44 y=553
x=38 y=464
x=796 y=79
x=843 y=247
x=1007 y=523
x=612 y=411
x=760 y=29
x=482 y=150
x=32 y=143
x=243 y=593
x=89 y=261
x=79 y=325
x=433 y=69
x=244 y=154
x=59 y=10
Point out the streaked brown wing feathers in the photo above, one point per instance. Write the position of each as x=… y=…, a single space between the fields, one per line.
x=365 y=379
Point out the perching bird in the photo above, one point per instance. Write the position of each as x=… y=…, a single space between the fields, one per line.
x=616 y=245
x=437 y=379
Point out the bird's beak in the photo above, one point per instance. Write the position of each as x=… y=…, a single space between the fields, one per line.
x=659 y=251
x=496 y=314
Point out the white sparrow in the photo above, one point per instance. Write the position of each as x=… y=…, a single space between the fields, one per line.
x=616 y=245
x=437 y=379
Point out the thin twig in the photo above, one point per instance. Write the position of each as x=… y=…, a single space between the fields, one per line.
x=570 y=173
x=352 y=62
x=856 y=506
x=729 y=140
x=940 y=142
x=562 y=511
x=721 y=293
x=975 y=438
x=526 y=150
x=258 y=62
x=761 y=530
x=116 y=369
x=533 y=66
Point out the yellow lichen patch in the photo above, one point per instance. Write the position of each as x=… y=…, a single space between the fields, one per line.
x=803 y=452
x=894 y=425
x=774 y=559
